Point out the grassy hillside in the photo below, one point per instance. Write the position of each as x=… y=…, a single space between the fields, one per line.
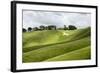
x=56 y=45
x=83 y=53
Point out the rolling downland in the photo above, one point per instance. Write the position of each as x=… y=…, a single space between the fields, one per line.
x=56 y=45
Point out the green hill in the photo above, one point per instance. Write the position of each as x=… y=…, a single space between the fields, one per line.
x=51 y=45
x=83 y=53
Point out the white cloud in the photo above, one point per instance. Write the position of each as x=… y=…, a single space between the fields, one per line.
x=37 y=18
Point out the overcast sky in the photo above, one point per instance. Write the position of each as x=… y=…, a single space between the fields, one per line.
x=37 y=18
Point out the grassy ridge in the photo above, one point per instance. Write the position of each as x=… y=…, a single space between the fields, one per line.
x=54 y=46
x=83 y=53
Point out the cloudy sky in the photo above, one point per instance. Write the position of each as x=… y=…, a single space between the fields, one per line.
x=37 y=18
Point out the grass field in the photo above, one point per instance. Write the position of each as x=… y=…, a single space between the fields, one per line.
x=56 y=45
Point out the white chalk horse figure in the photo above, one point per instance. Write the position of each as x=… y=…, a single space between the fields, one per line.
x=66 y=34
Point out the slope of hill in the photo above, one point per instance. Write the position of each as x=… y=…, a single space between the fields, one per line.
x=83 y=53
x=56 y=45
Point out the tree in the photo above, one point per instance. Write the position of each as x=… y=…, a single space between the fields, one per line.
x=51 y=27
x=35 y=28
x=71 y=27
x=29 y=29
x=42 y=27
x=24 y=30
x=46 y=28
x=65 y=28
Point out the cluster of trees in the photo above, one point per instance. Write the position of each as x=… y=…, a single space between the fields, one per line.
x=50 y=27
x=70 y=27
